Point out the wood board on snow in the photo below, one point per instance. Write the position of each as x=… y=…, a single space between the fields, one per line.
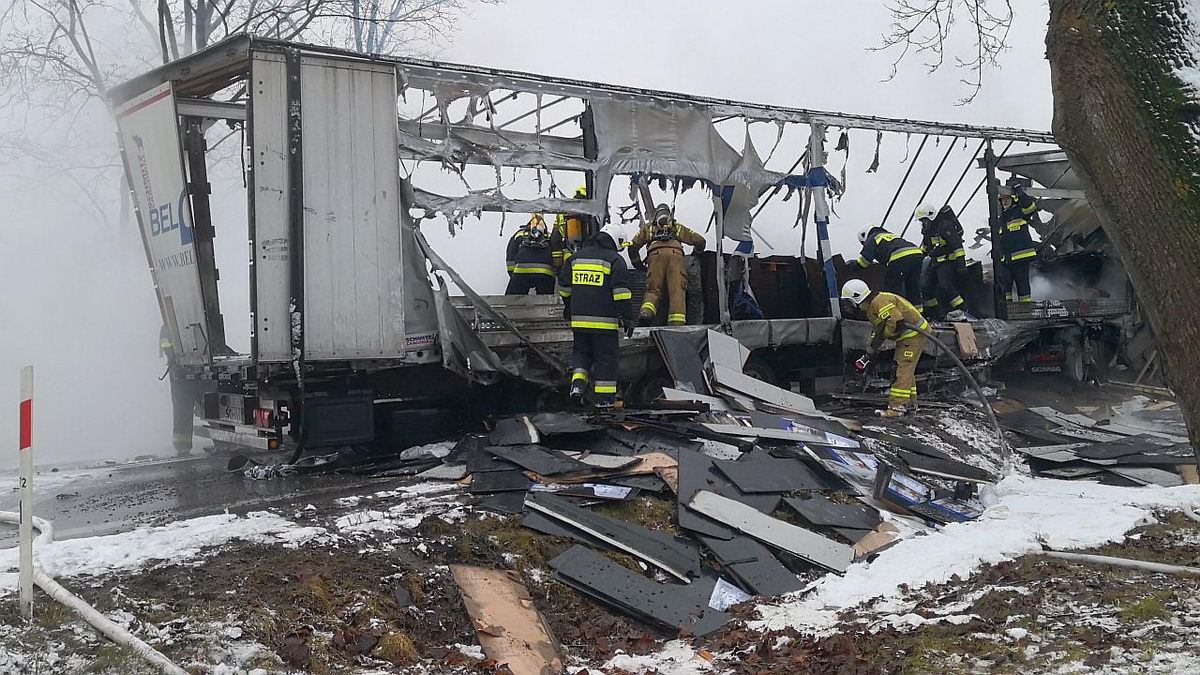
x=511 y=630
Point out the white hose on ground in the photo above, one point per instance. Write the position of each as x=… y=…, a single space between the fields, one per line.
x=1190 y=512
x=98 y=621
x=1125 y=562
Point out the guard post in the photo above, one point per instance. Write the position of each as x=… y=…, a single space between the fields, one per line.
x=25 y=448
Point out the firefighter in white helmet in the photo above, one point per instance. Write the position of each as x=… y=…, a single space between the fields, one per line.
x=892 y=317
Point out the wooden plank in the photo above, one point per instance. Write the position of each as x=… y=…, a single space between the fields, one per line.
x=884 y=535
x=806 y=545
x=510 y=629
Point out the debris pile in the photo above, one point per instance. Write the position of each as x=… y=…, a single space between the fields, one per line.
x=769 y=493
x=1138 y=445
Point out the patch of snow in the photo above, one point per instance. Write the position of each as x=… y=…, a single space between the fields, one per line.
x=1027 y=512
x=470 y=651
x=174 y=542
x=675 y=658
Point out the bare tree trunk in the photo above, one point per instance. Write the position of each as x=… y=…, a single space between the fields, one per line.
x=1127 y=123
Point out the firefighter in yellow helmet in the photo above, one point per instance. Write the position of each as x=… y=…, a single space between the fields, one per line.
x=568 y=232
x=530 y=260
x=666 y=273
x=892 y=317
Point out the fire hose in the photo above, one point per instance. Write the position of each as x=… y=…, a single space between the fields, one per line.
x=106 y=626
x=1005 y=451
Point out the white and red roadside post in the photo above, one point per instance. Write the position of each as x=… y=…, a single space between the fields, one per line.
x=26 y=485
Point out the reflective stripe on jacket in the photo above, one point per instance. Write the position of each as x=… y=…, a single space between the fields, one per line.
x=884 y=247
x=886 y=310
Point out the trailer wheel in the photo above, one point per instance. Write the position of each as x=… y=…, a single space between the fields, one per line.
x=650 y=387
x=759 y=369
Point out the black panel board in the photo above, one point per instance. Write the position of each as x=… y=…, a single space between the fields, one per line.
x=555 y=423
x=651 y=483
x=912 y=446
x=482 y=461
x=681 y=352
x=540 y=460
x=462 y=449
x=945 y=468
x=643 y=441
x=696 y=472
x=513 y=431
x=547 y=525
x=684 y=607
x=824 y=512
x=499 y=481
x=504 y=502
x=597 y=441
x=770 y=475
x=658 y=548
x=1126 y=446
x=753 y=565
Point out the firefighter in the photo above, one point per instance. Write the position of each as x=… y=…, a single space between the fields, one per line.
x=892 y=318
x=942 y=241
x=594 y=285
x=667 y=275
x=529 y=260
x=902 y=261
x=1017 y=248
x=568 y=229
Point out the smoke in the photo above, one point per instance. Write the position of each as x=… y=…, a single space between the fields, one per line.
x=79 y=307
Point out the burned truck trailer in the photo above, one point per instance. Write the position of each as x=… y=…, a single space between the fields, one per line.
x=354 y=337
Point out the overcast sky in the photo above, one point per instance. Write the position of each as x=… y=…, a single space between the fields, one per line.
x=78 y=301
x=796 y=54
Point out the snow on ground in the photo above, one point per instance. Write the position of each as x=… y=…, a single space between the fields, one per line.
x=175 y=542
x=1026 y=513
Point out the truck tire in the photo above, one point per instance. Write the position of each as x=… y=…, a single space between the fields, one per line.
x=759 y=369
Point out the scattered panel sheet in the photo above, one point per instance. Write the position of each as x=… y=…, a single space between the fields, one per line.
x=542 y=461
x=482 y=461
x=514 y=431
x=1130 y=445
x=680 y=350
x=510 y=503
x=696 y=472
x=510 y=629
x=726 y=351
x=1145 y=475
x=770 y=475
x=802 y=543
x=550 y=424
x=753 y=565
x=683 y=607
x=762 y=391
x=498 y=481
x=657 y=548
x=944 y=468
x=820 y=510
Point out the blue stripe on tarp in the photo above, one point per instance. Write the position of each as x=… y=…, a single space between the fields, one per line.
x=744 y=247
x=830 y=274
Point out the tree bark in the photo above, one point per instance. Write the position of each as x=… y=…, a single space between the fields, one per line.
x=1129 y=126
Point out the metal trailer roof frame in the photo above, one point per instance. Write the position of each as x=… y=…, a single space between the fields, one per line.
x=202 y=75
x=217 y=66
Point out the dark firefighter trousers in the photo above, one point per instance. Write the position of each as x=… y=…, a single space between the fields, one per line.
x=1016 y=273
x=939 y=285
x=594 y=361
x=903 y=277
x=519 y=284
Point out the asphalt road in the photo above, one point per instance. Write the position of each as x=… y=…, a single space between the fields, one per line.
x=115 y=498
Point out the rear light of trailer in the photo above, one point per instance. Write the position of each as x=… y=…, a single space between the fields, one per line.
x=264 y=417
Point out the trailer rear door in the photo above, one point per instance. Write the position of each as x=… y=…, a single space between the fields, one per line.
x=148 y=126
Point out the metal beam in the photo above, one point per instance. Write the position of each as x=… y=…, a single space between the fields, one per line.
x=425 y=74
x=216 y=110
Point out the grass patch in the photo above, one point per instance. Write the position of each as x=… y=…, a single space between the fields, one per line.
x=1146 y=609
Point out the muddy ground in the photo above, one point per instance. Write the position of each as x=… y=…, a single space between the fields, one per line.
x=373 y=604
